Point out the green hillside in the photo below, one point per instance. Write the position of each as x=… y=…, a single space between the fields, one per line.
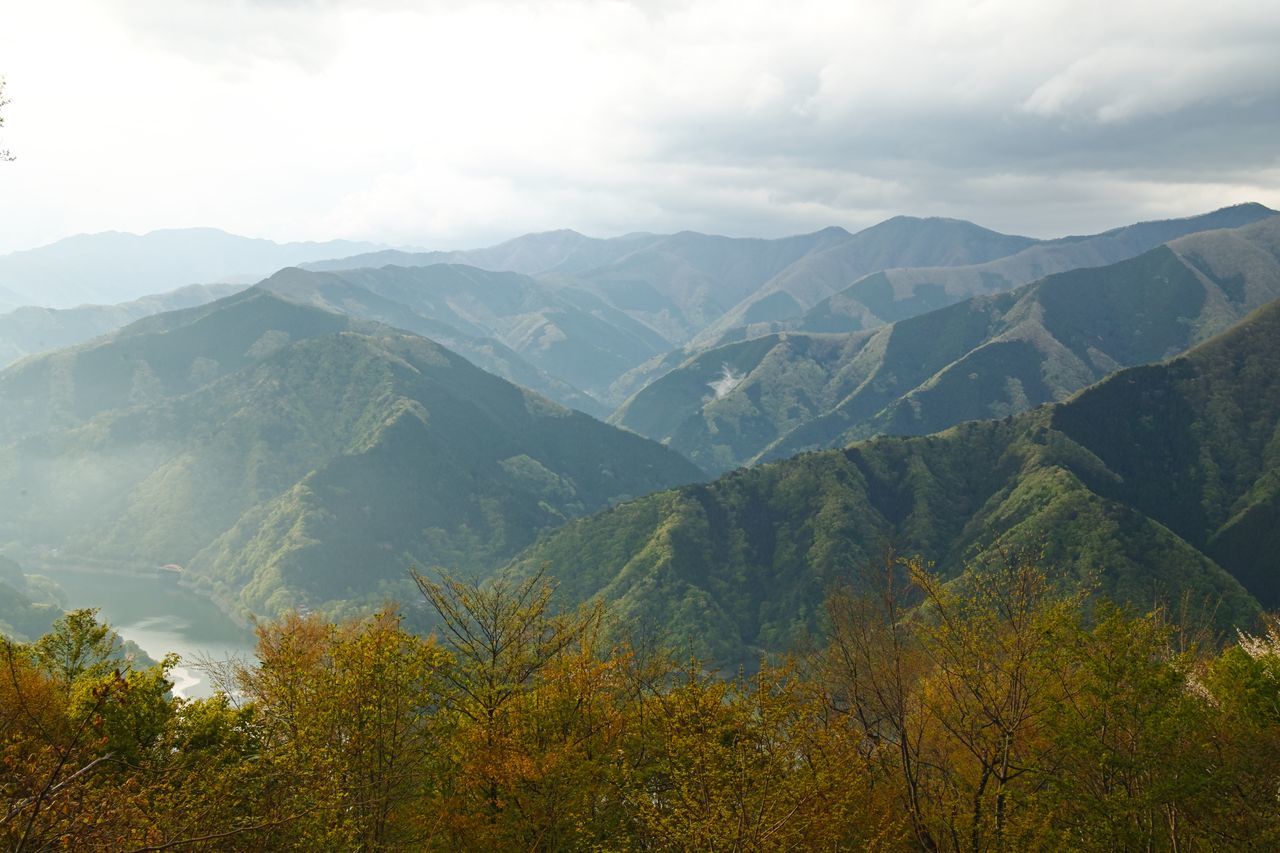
x=26 y=611
x=671 y=284
x=986 y=357
x=309 y=458
x=572 y=337
x=340 y=293
x=32 y=330
x=1156 y=482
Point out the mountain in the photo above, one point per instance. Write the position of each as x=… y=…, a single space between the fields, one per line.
x=546 y=253
x=903 y=241
x=674 y=284
x=30 y=330
x=287 y=456
x=339 y=293
x=25 y=614
x=10 y=300
x=1160 y=482
x=990 y=356
x=113 y=267
x=662 y=291
x=567 y=333
x=890 y=295
x=680 y=283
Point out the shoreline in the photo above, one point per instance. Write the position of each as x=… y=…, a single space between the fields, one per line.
x=34 y=565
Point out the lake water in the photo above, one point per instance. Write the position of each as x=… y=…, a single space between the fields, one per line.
x=161 y=617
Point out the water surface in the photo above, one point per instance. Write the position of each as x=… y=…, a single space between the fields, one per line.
x=161 y=617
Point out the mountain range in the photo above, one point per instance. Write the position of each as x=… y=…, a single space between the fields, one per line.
x=31 y=330
x=114 y=267
x=1160 y=483
x=289 y=456
x=833 y=295
x=986 y=357
x=302 y=442
x=585 y=321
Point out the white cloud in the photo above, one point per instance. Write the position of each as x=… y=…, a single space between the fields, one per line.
x=454 y=123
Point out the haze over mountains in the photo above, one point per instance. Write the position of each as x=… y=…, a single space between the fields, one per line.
x=114 y=267
x=34 y=329
x=302 y=442
x=604 y=317
x=987 y=357
x=273 y=448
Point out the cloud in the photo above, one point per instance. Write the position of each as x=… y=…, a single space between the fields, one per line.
x=455 y=123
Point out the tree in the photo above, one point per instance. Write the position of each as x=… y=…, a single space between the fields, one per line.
x=503 y=636
x=78 y=645
x=873 y=666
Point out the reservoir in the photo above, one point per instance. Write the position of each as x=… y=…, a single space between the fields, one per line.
x=161 y=617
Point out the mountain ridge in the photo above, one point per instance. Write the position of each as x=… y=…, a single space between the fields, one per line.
x=1153 y=508
x=986 y=357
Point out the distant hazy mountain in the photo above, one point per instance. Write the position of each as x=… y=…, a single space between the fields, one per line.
x=681 y=283
x=337 y=292
x=888 y=295
x=903 y=241
x=1163 y=482
x=30 y=330
x=544 y=253
x=10 y=300
x=660 y=291
x=675 y=284
x=987 y=357
x=571 y=336
x=895 y=294
x=113 y=267
x=293 y=457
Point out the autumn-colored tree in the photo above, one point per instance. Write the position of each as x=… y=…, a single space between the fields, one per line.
x=747 y=764
x=993 y=638
x=872 y=666
x=505 y=638
x=347 y=730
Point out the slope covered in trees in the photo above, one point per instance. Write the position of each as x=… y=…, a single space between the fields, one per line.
x=999 y=715
x=1160 y=481
x=32 y=330
x=27 y=610
x=288 y=456
x=772 y=397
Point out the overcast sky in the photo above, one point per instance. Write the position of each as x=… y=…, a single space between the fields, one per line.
x=453 y=124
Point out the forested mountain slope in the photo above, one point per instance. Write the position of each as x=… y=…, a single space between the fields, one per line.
x=469 y=311
x=902 y=241
x=990 y=356
x=288 y=456
x=895 y=294
x=1162 y=481
x=886 y=294
x=31 y=330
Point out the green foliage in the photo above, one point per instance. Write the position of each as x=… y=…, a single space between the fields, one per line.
x=1131 y=485
x=990 y=356
x=325 y=449
x=990 y=712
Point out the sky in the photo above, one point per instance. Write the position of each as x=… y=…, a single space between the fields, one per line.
x=444 y=124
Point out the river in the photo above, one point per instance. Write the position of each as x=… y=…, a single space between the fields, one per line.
x=161 y=617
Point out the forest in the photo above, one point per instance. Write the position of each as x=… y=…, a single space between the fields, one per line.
x=997 y=710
